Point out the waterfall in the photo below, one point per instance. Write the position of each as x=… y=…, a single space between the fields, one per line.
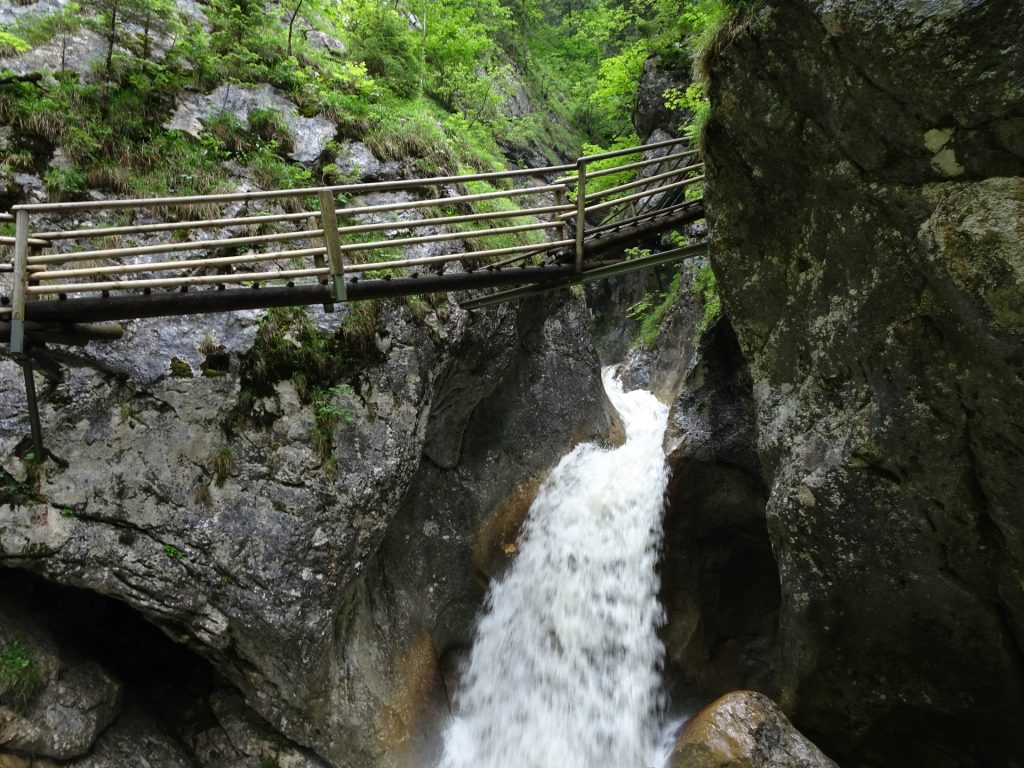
x=565 y=665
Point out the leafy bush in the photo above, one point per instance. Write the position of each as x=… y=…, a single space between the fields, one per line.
x=63 y=184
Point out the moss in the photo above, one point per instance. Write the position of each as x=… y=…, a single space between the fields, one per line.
x=1007 y=307
x=180 y=369
x=320 y=364
x=223 y=462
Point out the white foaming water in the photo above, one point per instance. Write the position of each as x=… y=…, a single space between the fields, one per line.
x=564 y=670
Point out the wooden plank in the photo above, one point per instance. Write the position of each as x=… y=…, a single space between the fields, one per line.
x=17 y=345
x=318 y=260
x=648 y=180
x=246 y=220
x=648 y=193
x=191 y=245
x=129 y=306
x=175 y=282
x=335 y=263
x=581 y=215
x=282 y=194
x=164 y=266
x=630 y=166
x=467 y=255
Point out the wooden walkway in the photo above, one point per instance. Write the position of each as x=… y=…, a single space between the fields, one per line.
x=539 y=227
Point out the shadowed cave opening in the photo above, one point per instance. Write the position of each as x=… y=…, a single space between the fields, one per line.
x=170 y=695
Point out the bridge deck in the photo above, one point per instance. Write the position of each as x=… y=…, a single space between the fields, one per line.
x=188 y=255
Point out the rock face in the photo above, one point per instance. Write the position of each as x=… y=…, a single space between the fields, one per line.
x=650 y=113
x=744 y=730
x=868 y=225
x=51 y=705
x=720 y=583
x=309 y=134
x=323 y=571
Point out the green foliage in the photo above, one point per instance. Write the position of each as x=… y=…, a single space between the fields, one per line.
x=21 y=676
x=695 y=104
x=63 y=184
x=381 y=39
x=614 y=98
x=174 y=553
x=652 y=310
x=11 y=45
x=411 y=130
x=706 y=287
x=326 y=413
x=268 y=126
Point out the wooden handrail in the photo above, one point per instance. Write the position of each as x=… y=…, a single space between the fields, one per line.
x=328 y=230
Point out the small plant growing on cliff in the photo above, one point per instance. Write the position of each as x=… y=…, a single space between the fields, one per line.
x=20 y=675
x=652 y=310
x=706 y=287
x=16 y=492
x=326 y=413
x=223 y=462
x=174 y=553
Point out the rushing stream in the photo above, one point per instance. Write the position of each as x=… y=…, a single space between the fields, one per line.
x=565 y=665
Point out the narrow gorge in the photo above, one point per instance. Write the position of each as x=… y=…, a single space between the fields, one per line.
x=754 y=509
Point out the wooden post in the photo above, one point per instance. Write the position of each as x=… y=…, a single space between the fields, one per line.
x=560 y=200
x=581 y=205
x=33 y=409
x=20 y=283
x=330 y=223
x=318 y=259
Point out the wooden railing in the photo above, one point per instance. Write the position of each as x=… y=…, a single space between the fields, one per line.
x=328 y=234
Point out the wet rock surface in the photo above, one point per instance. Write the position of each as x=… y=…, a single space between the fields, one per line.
x=744 y=729
x=325 y=593
x=874 y=282
x=719 y=581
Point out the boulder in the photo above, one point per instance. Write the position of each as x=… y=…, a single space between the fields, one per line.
x=309 y=134
x=744 y=730
x=357 y=161
x=659 y=76
x=866 y=223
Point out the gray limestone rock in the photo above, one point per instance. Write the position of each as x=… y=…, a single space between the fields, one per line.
x=866 y=228
x=309 y=134
x=51 y=704
x=325 y=591
x=357 y=161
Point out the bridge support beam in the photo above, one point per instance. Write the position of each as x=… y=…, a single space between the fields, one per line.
x=581 y=210
x=329 y=219
x=20 y=283
x=33 y=409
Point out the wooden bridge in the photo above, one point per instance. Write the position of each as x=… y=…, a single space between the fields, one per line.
x=77 y=265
